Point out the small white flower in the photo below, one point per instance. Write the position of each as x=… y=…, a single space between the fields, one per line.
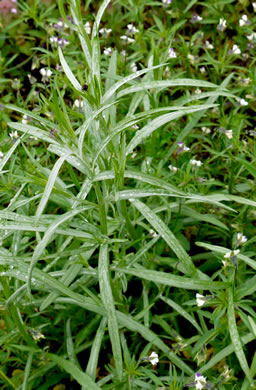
x=14 y=10
x=14 y=134
x=24 y=119
x=153 y=358
x=206 y=130
x=244 y=81
x=222 y=24
x=1 y=155
x=251 y=37
x=108 y=51
x=131 y=29
x=228 y=255
x=208 y=45
x=196 y=18
x=105 y=32
x=198 y=91
x=133 y=155
x=172 y=53
x=152 y=233
x=127 y=39
x=200 y=300
x=46 y=74
x=166 y=2
x=87 y=28
x=133 y=67
x=196 y=163
x=172 y=168
x=124 y=53
x=243 y=102
x=182 y=147
x=79 y=103
x=63 y=42
x=193 y=59
x=200 y=381
x=202 y=69
x=54 y=41
x=235 y=50
x=136 y=127
x=244 y=20
x=240 y=239
x=229 y=134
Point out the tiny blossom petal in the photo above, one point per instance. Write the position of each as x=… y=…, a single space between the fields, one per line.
x=54 y=40
x=14 y=10
x=133 y=67
x=153 y=358
x=196 y=163
x=243 y=102
x=131 y=29
x=240 y=239
x=172 y=53
x=152 y=233
x=14 y=134
x=235 y=50
x=166 y=2
x=251 y=37
x=105 y=31
x=87 y=28
x=206 y=130
x=127 y=39
x=198 y=91
x=79 y=103
x=108 y=51
x=182 y=147
x=193 y=59
x=172 y=168
x=200 y=381
x=202 y=69
x=228 y=255
x=200 y=300
x=244 y=20
x=222 y=24
x=46 y=74
x=208 y=45
x=196 y=18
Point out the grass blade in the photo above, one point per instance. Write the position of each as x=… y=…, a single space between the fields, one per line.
x=108 y=301
x=81 y=378
x=95 y=349
x=173 y=280
x=235 y=338
x=69 y=72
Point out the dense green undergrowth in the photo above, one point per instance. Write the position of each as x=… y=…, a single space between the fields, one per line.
x=127 y=187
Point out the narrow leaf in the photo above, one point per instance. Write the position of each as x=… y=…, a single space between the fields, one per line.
x=161 y=228
x=108 y=301
x=235 y=338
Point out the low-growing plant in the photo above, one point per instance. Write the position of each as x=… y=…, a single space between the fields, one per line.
x=126 y=229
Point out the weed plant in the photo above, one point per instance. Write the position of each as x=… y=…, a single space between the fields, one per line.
x=127 y=214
